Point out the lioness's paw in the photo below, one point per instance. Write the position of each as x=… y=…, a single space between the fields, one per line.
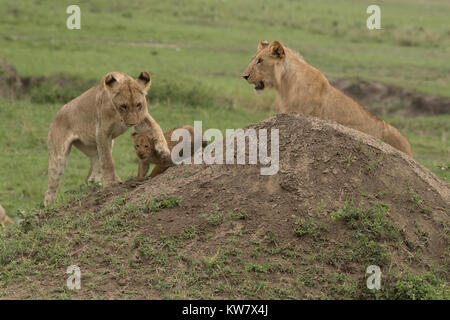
x=109 y=182
x=163 y=152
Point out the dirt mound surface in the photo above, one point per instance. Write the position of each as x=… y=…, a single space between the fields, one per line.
x=340 y=202
x=388 y=99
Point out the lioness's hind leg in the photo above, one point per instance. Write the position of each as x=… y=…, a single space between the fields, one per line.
x=58 y=152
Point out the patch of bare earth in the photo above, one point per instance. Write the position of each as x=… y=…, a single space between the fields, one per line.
x=238 y=234
x=384 y=99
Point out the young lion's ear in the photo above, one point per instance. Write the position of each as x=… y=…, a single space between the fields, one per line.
x=144 y=80
x=110 y=81
x=276 y=49
x=262 y=44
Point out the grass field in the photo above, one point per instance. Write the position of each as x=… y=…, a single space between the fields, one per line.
x=196 y=51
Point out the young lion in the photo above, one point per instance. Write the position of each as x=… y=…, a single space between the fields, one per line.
x=304 y=89
x=4 y=219
x=144 y=146
x=92 y=121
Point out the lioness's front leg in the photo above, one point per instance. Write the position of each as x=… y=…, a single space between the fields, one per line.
x=104 y=147
x=161 y=147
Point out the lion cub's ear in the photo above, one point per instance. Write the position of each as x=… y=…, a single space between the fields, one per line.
x=262 y=44
x=276 y=49
x=144 y=80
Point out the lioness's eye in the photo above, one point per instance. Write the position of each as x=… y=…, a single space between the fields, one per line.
x=123 y=107
x=259 y=61
x=146 y=146
x=137 y=146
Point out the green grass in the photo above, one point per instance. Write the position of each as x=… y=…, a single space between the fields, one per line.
x=372 y=232
x=430 y=141
x=211 y=41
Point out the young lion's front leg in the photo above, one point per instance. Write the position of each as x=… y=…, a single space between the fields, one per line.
x=143 y=169
x=104 y=147
x=161 y=147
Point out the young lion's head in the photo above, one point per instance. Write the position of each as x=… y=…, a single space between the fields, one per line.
x=144 y=146
x=261 y=70
x=128 y=95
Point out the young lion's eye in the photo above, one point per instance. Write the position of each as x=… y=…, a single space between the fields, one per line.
x=136 y=146
x=123 y=107
x=146 y=147
x=259 y=61
x=139 y=106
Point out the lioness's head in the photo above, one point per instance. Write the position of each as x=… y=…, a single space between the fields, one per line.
x=128 y=95
x=261 y=70
x=144 y=146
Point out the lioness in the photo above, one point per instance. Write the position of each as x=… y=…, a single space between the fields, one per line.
x=4 y=219
x=304 y=89
x=144 y=145
x=91 y=121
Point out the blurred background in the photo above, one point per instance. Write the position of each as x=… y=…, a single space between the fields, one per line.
x=196 y=51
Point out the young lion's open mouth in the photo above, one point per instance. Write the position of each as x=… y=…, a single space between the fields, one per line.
x=259 y=86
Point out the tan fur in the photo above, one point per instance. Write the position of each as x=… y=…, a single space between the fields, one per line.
x=4 y=219
x=93 y=120
x=304 y=89
x=144 y=146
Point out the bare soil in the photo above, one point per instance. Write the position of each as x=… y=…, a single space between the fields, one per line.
x=384 y=99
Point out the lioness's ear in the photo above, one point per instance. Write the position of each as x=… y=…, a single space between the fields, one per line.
x=144 y=80
x=110 y=81
x=262 y=44
x=276 y=49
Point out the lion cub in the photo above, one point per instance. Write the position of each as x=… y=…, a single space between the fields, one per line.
x=4 y=219
x=144 y=145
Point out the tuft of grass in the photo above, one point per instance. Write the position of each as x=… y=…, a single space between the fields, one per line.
x=410 y=286
x=157 y=204
x=372 y=232
x=311 y=228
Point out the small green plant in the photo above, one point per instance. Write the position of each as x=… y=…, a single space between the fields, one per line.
x=372 y=221
x=157 y=204
x=310 y=228
x=259 y=268
x=28 y=219
x=372 y=230
x=374 y=163
x=417 y=202
x=189 y=233
x=409 y=286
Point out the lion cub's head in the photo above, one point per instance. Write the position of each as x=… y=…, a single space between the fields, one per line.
x=128 y=95
x=261 y=70
x=144 y=146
